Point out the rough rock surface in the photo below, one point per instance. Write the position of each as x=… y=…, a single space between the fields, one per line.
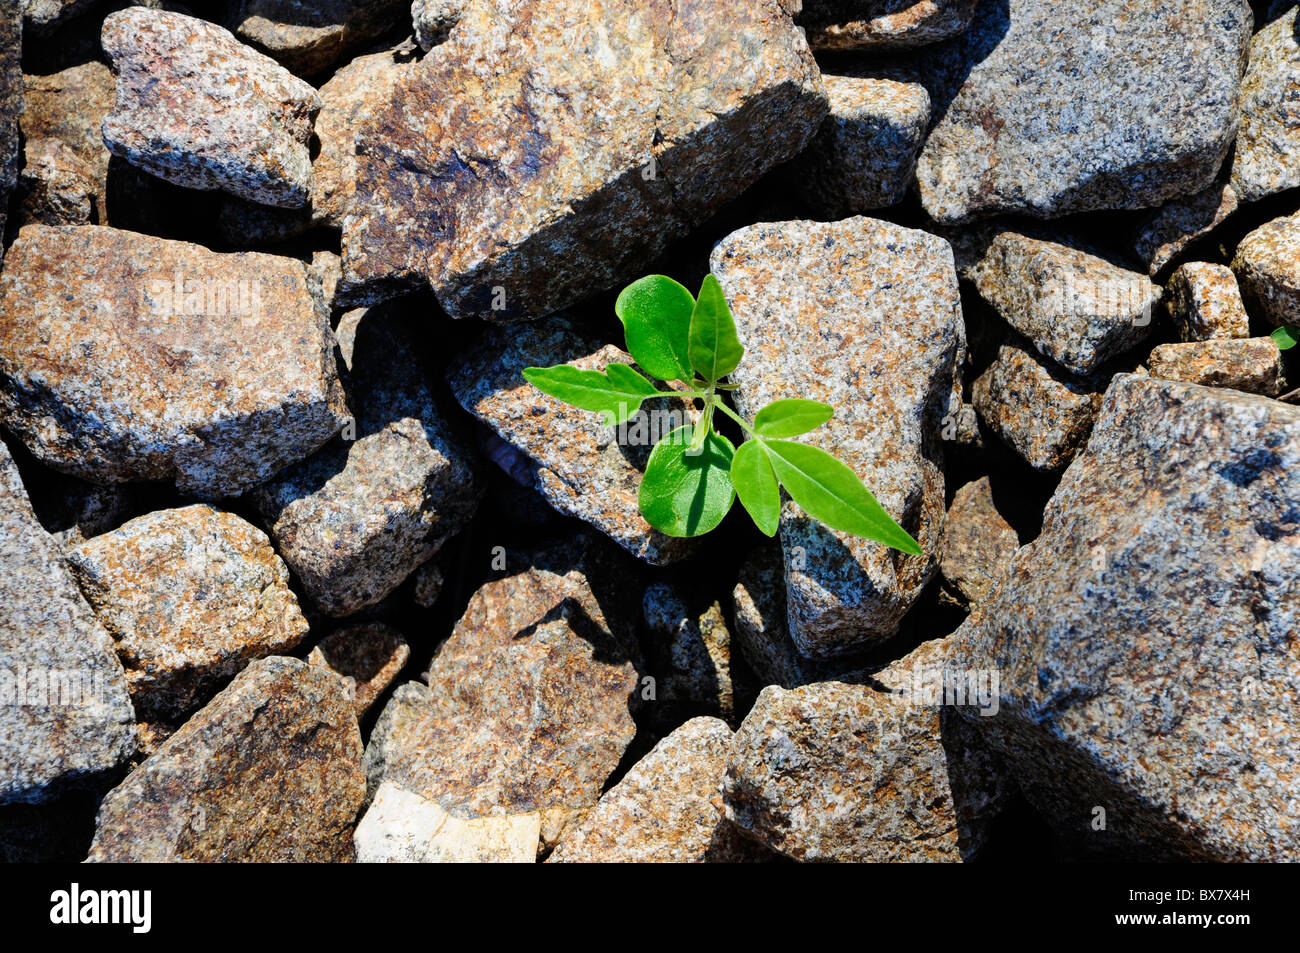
x=1267 y=264
x=309 y=38
x=43 y=17
x=1269 y=139
x=434 y=19
x=268 y=771
x=70 y=105
x=693 y=660
x=1077 y=309
x=190 y=596
x=109 y=374
x=11 y=105
x=883 y=24
x=49 y=638
x=1146 y=639
x=356 y=519
x=55 y=187
x=864 y=155
x=1042 y=412
x=578 y=465
x=405 y=828
x=663 y=809
x=1205 y=303
x=1113 y=104
x=507 y=162
x=761 y=627
x=978 y=543
x=817 y=306
x=1168 y=232
x=366 y=657
x=1250 y=364
x=198 y=108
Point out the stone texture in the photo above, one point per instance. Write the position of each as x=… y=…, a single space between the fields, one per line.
x=435 y=19
x=268 y=771
x=978 y=543
x=190 y=596
x=1269 y=140
x=11 y=105
x=1250 y=364
x=817 y=306
x=1146 y=639
x=1042 y=412
x=70 y=105
x=760 y=623
x=107 y=374
x=1267 y=265
x=1166 y=233
x=579 y=466
x=1077 y=309
x=692 y=657
x=356 y=519
x=883 y=24
x=309 y=38
x=366 y=657
x=401 y=827
x=1205 y=303
x=83 y=730
x=663 y=809
x=426 y=585
x=1118 y=104
x=55 y=187
x=43 y=17
x=864 y=155
x=199 y=109
x=508 y=162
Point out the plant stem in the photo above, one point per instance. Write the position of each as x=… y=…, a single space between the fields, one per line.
x=704 y=426
x=717 y=402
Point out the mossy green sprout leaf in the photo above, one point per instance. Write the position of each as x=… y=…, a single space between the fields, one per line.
x=1286 y=337
x=656 y=314
x=756 y=486
x=616 y=392
x=687 y=495
x=714 y=345
x=790 y=418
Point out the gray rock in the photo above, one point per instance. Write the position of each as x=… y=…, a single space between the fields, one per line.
x=435 y=19
x=1250 y=364
x=692 y=659
x=55 y=187
x=243 y=128
x=65 y=716
x=978 y=544
x=1267 y=265
x=760 y=624
x=817 y=308
x=1168 y=232
x=883 y=24
x=11 y=105
x=1269 y=140
x=308 y=39
x=1117 y=104
x=43 y=17
x=366 y=657
x=1145 y=639
x=1206 y=304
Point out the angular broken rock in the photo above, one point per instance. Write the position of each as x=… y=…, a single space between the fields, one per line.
x=1267 y=264
x=1269 y=140
x=125 y=357
x=55 y=187
x=1180 y=222
x=883 y=24
x=1146 y=640
x=1205 y=303
x=663 y=809
x=366 y=657
x=434 y=19
x=578 y=465
x=514 y=179
x=693 y=659
x=356 y=519
x=404 y=828
x=11 y=105
x=760 y=624
x=190 y=596
x=1117 y=104
x=200 y=109
x=308 y=39
x=817 y=306
x=1077 y=309
x=1250 y=364
x=1041 y=411
x=65 y=715
x=70 y=106
x=978 y=543
x=864 y=155
x=268 y=771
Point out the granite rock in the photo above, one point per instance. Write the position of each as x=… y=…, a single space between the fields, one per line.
x=55 y=187
x=42 y=17
x=435 y=19
x=883 y=24
x=978 y=543
x=1267 y=265
x=310 y=38
x=1253 y=365
x=1269 y=140
x=69 y=106
x=1169 y=231
x=400 y=827
x=692 y=657
x=1205 y=303
x=11 y=106
x=367 y=658
x=760 y=623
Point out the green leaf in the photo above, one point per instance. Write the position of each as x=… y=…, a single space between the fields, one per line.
x=715 y=348
x=751 y=474
x=656 y=315
x=616 y=392
x=789 y=418
x=1286 y=337
x=830 y=492
x=687 y=496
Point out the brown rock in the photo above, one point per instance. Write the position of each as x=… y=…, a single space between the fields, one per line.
x=1205 y=303
x=883 y=24
x=1250 y=364
x=366 y=657
x=1177 y=224
x=978 y=543
x=56 y=187
x=1267 y=264
x=11 y=105
x=308 y=39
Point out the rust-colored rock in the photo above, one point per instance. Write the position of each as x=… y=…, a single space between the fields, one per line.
x=1250 y=364
x=366 y=657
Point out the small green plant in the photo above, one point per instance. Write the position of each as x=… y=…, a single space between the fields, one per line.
x=1286 y=337
x=695 y=473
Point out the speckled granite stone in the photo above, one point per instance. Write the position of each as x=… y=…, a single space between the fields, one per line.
x=367 y=658
x=309 y=38
x=434 y=19
x=1267 y=265
x=55 y=187
x=691 y=656
x=43 y=17
x=978 y=543
x=1172 y=228
x=70 y=105
x=883 y=24
x=1269 y=140
x=1250 y=364
x=1205 y=303
x=11 y=104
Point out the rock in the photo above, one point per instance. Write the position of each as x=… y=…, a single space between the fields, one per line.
x=55 y=187
x=190 y=596
x=760 y=626
x=70 y=106
x=1267 y=265
x=308 y=39
x=43 y=17
x=1250 y=364
x=11 y=106
x=1077 y=309
x=579 y=466
x=243 y=128
x=107 y=373
x=324 y=272
x=1205 y=303
x=663 y=810
x=1177 y=224
x=1040 y=411
x=65 y=717
x=1119 y=104
x=427 y=585
x=879 y=772
x=401 y=827
x=817 y=306
x=1269 y=139
x=864 y=155
x=268 y=771
x=883 y=24
x=978 y=543
x=435 y=19
x=693 y=661
x=1145 y=640
x=366 y=657
x=515 y=180
x=356 y=519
